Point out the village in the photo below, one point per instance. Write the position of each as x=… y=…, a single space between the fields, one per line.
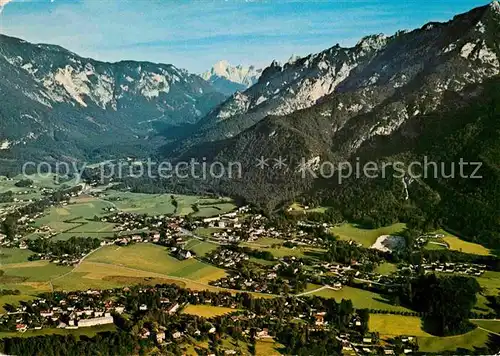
x=92 y=308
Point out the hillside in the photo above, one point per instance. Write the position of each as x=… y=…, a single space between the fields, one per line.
x=431 y=92
x=53 y=98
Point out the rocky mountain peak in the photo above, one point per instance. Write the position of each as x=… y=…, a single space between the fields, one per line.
x=495 y=6
x=229 y=79
x=373 y=42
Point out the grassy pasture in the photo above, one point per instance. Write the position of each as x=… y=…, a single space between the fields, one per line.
x=475 y=338
x=434 y=246
x=201 y=248
x=207 y=311
x=366 y=237
x=386 y=268
x=161 y=204
x=491 y=325
x=457 y=244
x=278 y=251
x=13 y=300
x=394 y=325
x=206 y=232
x=13 y=255
x=154 y=204
x=98 y=275
x=490 y=281
x=267 y=348
x=360 y=298
x=206 y=211
x=36 y=271
x=73 y=219
x=388 y=325
x=156 y=259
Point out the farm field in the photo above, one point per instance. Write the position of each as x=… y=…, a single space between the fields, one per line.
x=386 y=268
x=13 y=255
x=366 y=237
x=434 y=245
x=274 y=246
x=79 y=208
x=206 y=211
x=392 y=325
x=491 y=325
x=201 y=248
x=267 y=348
x=103 y=276
x=74 y=218
x=475 y=338
x=30 y=278
x=13 y=300
x=161 y=204
x=457 y=244
x=388 y=325
x=35 y=271
x=39 y=181
x=156 y=259
x=490 y=281
x=360 y=298
x=207 y=311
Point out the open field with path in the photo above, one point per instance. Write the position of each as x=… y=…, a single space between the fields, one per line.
x=474 y=338
x=389 y=326
x=491 y=325
x=457 y=244
x=156 y=259
x=366 y=237
x=360 y=298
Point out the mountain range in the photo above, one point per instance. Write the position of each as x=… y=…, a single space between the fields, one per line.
x=229 y=79
x=53 y=98
x=428 y=92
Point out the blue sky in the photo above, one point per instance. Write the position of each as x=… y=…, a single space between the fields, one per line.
x=195 y=34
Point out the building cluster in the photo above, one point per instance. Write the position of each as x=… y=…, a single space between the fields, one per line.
x=470 y=269
x=73 y=311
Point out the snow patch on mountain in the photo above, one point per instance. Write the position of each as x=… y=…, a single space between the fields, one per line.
x=467 y=50
x=246 y=76
x=4 y=145
x=238 y=104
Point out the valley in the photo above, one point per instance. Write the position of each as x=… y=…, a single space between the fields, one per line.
x=144 y=239
x=361 y=218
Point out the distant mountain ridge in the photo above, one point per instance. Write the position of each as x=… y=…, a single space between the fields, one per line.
x=436 y=58
x=53 y=97
x=228 y=79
